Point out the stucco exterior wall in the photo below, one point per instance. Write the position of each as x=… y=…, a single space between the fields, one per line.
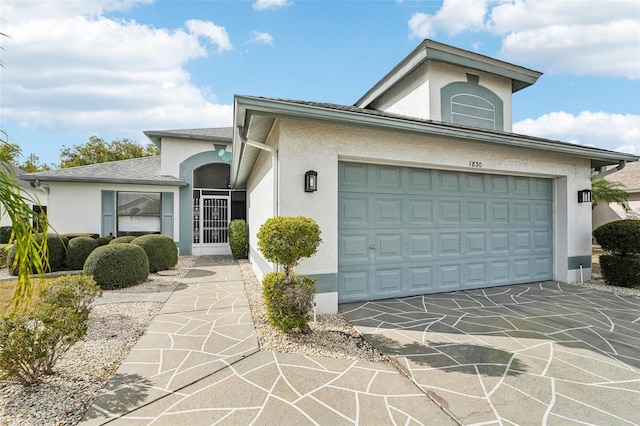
x=306 y=145
x=38 y=195
x=418 y=95
x=66 y=214
x=175 y=151
x=605 y=213
x=260 y=203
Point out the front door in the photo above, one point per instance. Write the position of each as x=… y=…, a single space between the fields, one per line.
x=210 y=225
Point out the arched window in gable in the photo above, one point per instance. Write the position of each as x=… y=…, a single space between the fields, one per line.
x=469 y=104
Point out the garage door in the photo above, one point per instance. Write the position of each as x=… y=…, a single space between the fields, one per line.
x=406 y=231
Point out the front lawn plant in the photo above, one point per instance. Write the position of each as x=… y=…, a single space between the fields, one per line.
x=621 y=263
x=288 y=297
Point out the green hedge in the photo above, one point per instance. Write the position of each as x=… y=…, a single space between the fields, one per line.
x=161 y=251
x=621 y=237
x=238 y=238
x=123 y=239
x=57 y=253
x=288 y=304
x=5 y=233
x=620 y=271
x=117 y=265
x=79 y=249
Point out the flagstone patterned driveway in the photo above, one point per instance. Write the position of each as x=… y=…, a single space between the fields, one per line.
x=534 y=354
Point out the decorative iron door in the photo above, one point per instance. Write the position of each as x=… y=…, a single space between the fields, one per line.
x=210 y=225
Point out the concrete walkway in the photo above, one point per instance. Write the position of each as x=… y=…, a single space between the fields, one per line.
x=530 y=354
x=199 y=364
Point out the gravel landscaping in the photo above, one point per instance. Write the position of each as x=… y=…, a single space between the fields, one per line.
x=115 y=325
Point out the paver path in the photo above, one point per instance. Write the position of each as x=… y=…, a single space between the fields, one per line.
x=199 y=364
x=525 y=354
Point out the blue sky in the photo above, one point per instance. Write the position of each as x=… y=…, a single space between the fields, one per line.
x=114 y=68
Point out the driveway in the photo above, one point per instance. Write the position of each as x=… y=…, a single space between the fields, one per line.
x=533 y=354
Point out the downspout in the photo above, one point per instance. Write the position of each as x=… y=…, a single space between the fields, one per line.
x=602 y=173
x=274 y=163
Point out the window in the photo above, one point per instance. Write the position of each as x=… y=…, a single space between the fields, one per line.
x=139 y=213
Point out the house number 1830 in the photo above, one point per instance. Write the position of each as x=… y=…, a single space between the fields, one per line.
x=475 y=164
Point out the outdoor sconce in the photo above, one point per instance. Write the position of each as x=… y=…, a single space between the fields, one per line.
x=311 y=181
x=584 y=196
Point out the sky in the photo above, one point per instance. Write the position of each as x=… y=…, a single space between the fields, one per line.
x=115 y=68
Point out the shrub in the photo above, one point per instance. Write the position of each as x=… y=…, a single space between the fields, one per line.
x=117 y=265
x=56 y=250
x=238 y=238
x=161 y=251
x=72 y=235
x=102 y=241
x=32 y=341
x=620 y=271
x=289 y=298
x=123 y=239
x=5 y=234
x=286 y=240
x=288 y=304
x=78 y=251
x=621 y=237
x=76 y=292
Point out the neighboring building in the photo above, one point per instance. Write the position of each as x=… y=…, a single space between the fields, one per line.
x=421 y=186
x=36 y=198
x=629 y=176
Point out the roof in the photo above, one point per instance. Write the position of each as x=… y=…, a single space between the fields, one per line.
x=629 y=176
x=141 y=171
x=254 y=118
x=432 y=50
x=214 y=134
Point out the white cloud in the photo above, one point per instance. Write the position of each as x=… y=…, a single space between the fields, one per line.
x=262 y=38
x=216 y=34
x=601 y=129
x=579 y=37
x=271 y=4
x=77 y=70
x=454 y=17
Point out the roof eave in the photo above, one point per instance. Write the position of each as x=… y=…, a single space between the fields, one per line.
x=521 y=77
x=32 y=178
x=245 y=106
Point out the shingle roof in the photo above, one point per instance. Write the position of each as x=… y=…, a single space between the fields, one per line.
x=222 y=134
x=145 y=170
x=629 y=177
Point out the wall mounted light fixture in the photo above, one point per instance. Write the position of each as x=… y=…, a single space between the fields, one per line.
x=311 y=181
x=584 y=196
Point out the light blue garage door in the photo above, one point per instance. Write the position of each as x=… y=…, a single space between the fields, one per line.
x=406 y=231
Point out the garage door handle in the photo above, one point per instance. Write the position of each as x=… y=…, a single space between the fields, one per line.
x=372 y=246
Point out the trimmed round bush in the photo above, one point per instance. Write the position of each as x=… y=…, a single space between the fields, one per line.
x=161 y=250
x=123 y=239
x=620 y=271
x=56 y=249
x=621 y=237
x=238 y=238
x=103 y=240
x=117 y=265
x=288 y=304
x=72 y=235
x=79 y=249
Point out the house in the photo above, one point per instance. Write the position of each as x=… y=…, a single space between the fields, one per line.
x=421 y=186
x=36 y=198
x=604 y=212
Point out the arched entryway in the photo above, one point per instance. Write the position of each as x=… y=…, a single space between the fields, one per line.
x=214 y=206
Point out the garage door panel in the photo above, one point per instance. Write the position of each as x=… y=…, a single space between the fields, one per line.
x=420 y=212
x=354 y=285
x=387 y=212
x=407 y=231
x=419 y=279
x=354 y=211
x=354 y=249
x=388 y=282
x=449 y=212
x=420 y=247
